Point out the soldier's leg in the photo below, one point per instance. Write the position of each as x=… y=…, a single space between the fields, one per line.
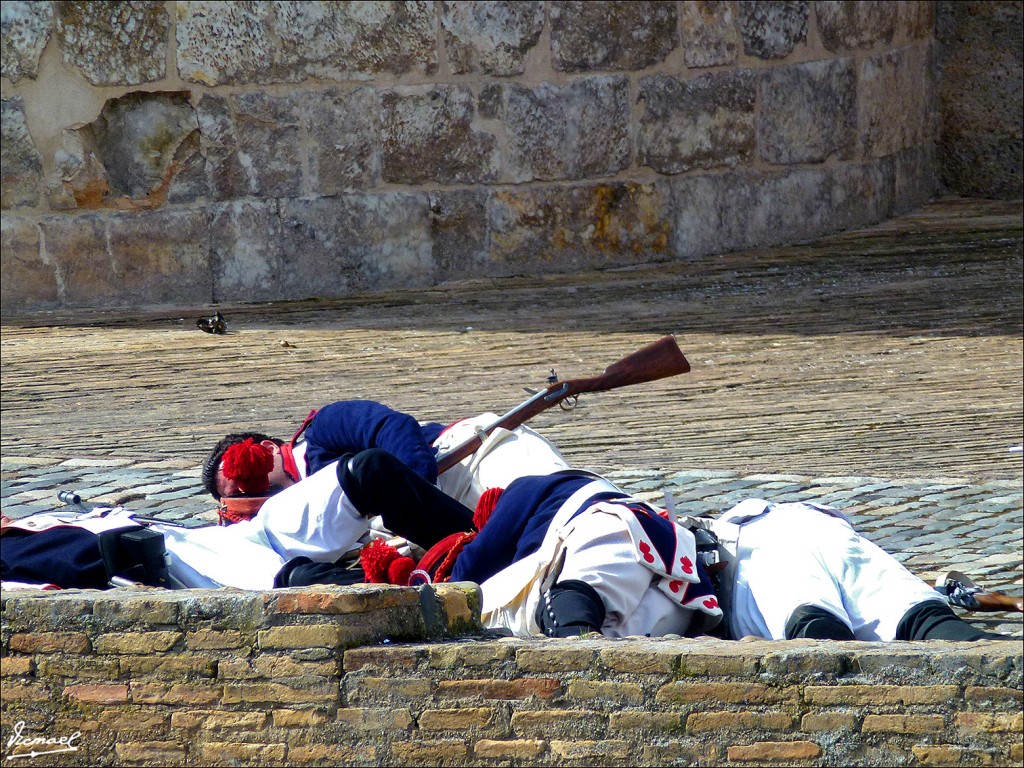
x=379 y=484
x=600 y=553
x=784 y=586
x=879 y=592
x=934 y=620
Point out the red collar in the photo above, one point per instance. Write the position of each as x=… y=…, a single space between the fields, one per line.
x=291 y=467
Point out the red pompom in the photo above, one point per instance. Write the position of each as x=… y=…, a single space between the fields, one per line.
x=376 y=558
x=484 y=506
x=400 y=570
x=249 y=464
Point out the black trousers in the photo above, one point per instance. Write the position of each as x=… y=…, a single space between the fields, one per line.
x=379 y=484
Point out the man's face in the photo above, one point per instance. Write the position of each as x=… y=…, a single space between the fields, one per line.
x=226 y=486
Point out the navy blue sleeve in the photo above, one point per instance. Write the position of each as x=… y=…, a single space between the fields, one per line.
x=517 y=525
x=350 y=426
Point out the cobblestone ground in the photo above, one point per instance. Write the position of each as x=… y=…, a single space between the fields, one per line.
x=879 y=371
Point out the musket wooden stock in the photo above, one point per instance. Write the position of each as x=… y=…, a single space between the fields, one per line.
x=998 y=601
x=657 y=360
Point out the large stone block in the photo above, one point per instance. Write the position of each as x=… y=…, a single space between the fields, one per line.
x=612 y=35
x=560 y=229
x=845 y=25
x=491 y=37
x=127 y=259
x=340 y=245
x=190 y=181
x=121 y=43
x=808 y=112
x=897 y=101
x=25 y=26
x=696 y=217
x=710 y=38
x=266 y=129
x=341 y=125
x=706 y=122
x=246 y=253
x=137 y=137
x=770 y=29
x=27 y=280
x=862 y=193
x=980 y=99
x=577 y=131
x=149 y=267
x=77 y=246
x=227 y=176
x=916 y=178
x=428 y=134
x=458 y=232
x=226 y=43
x=21 y=169
x=266 y=42
x=251 y=144
x=762 y=209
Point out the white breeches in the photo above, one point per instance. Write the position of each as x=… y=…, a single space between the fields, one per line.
x=797 y=555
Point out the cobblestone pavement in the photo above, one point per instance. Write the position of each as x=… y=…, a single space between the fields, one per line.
x=877 y=370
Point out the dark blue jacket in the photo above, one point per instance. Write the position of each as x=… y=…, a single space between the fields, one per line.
x=351 y=426
x=518 y=523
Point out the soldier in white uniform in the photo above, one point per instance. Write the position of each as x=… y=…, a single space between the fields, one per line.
x=801 y=570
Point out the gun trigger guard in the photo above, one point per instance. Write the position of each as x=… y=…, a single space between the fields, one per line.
x=569 y=403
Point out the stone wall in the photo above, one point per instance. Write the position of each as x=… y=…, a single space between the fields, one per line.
x=320 y=677
x=981 y=98
x=189 y=153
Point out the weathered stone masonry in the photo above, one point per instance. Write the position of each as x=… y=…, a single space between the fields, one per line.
x=342 y=676
x=188 y=153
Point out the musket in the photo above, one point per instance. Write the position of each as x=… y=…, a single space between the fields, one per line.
x=963 y=593
x=657 y=360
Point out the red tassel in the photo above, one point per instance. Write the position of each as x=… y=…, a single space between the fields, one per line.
x=376 y=558
x=440 y=558
x=484 y=506
x=249 y=464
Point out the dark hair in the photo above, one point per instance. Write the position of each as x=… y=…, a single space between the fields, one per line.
x=212 y=462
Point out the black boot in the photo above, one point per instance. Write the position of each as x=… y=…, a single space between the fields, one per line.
x=934 y=620
x=303 y=572
x=570 y=609
x=814 y=623
x=379 y=484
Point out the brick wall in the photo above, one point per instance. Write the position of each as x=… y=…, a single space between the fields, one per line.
x=373 y=675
